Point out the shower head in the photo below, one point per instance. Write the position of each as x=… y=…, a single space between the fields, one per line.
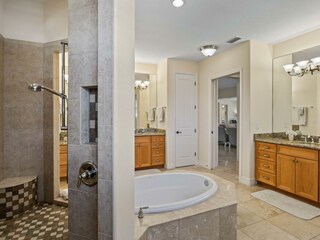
x=35 y=87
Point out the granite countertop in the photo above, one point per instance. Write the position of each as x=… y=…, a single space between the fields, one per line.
x=150 y=132
x=225 y=196
x=63 y=142
x=294 y=143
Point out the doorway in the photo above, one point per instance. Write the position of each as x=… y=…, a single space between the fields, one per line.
x=225 y=119
x=186 y=119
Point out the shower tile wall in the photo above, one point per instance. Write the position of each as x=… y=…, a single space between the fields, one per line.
x=1 y=108
x=83 y=70
x=23 y=111
x=90 y=64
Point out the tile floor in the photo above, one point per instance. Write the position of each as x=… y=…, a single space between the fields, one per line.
x=45 y=221
x=257 y=220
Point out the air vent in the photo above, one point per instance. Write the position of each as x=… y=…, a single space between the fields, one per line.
x=234 y=39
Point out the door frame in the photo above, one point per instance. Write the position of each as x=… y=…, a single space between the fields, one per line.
x=213 y=121
x=195 y=119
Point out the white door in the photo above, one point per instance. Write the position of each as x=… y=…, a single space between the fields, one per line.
x=186 y=117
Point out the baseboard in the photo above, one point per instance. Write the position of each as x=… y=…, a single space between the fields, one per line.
x=248 y=181
x=203 y=164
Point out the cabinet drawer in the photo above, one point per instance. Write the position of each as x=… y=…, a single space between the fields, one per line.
x=266 y=166
x=298 y=152
x=157 y=160
x=63 y=159
x=142 y=139
x=270 y=156
x=63 y=149
x=157 y=152
x=157 y=145
x=157 y=139
x=269 y=147
x=63 y=171
x=265 y=177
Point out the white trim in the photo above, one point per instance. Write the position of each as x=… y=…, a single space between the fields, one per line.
x=213 y=162
x=247 y=181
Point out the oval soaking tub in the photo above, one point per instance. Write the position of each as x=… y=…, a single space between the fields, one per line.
x=171 y=191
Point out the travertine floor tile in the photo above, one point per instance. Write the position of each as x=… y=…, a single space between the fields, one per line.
x=295 y=226
x=260 y=208
x=246 y=218
x=315 y=221
x=266 y=231
x=316 y=238
x=242 y=236
x=243 y=196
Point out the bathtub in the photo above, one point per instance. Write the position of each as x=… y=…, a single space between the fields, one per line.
x=171 y=191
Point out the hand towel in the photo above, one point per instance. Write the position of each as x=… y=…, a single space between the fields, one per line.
x=151 y=114
x=160 y=114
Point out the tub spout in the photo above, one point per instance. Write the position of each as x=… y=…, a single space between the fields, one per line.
x=140 y=214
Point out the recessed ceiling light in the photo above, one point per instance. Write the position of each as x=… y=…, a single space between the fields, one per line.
x=177 y=3
x=208 y=50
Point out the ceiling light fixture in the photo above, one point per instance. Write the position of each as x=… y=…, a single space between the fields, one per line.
x=303 y=67
x=208 y=50
x=178 y=3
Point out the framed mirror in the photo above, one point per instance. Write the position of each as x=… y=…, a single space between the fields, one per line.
x=145 y=101
x=296 y=95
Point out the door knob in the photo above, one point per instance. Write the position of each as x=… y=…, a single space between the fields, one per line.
x=178 y=132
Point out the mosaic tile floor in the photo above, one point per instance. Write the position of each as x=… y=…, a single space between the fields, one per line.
x=45 y=221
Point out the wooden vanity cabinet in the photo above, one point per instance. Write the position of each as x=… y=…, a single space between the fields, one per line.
x=266 y=163
x=63 y=160
x=292 y=169
x=142 y=152
x=149 y=151
x=298 y=171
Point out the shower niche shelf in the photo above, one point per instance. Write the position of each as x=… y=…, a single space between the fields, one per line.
x=89 y=115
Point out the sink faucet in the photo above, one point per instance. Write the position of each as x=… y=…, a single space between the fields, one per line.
x=312 y=140
x=304 y=138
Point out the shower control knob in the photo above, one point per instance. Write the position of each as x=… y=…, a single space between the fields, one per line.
x=88 y=174
x=178 y=132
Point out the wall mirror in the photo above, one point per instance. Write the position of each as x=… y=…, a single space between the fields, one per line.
x=296 y=99
x=145 y=100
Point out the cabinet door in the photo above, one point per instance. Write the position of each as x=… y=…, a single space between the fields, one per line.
x=286 y=173
x=307 y=178
x=145 y=155
x=136 y=155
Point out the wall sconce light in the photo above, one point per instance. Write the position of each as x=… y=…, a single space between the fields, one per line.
x=208 y=50
x=303 y=67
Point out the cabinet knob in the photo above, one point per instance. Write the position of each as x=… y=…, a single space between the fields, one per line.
x=266 y=147
x=266 y=166
x=265 y=177
x=266 y=156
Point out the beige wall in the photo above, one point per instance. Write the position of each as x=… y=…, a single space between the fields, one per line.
x=35 y=21
x=282 y=95
x=123 y=115
x=1 y=16
x=146 y=68
x=55 y=20
x=296 y=44
x=174 y=67
x=255 y=80
x=162 y=91
x=260 y=87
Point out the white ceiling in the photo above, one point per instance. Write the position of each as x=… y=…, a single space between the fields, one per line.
x=163 y=31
